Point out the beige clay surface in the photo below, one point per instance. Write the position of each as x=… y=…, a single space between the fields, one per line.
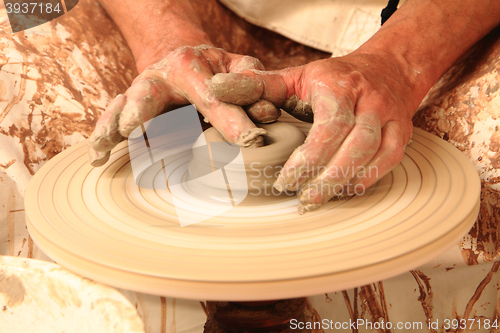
x=41 y=297
x=258 y=168
x=101 y=224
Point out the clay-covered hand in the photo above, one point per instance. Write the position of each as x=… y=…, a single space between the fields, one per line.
x=179 y=79
x=362 y=107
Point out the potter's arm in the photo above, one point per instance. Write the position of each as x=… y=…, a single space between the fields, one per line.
x=426 y=37
x=176 y=60
x=363 y=103
x=155 y=28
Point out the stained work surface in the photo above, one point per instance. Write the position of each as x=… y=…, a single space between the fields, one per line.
x=464 y=109
x=55 y=82
x=37 y=296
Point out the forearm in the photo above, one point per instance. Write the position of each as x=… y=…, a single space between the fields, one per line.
x=155 y=28
x=425 y=37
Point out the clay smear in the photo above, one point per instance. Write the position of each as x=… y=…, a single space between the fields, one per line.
x=13 y=289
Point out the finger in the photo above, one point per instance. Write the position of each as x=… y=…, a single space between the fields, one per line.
x=236 y=89
x=98 y=158
x=263 y=112
x=356 y=151
x=146 y=98
x=250 y=86
x=299 y=109
x=106 y=134
x=388 y=156
x=332 y=123
x=245 y=63
x=254 y=85
x=230 y=120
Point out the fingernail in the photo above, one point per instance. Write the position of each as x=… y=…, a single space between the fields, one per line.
x=263 y=112
x=303 y=208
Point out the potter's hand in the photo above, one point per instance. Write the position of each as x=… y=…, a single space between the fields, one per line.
x=179 y=79
x=362 y=109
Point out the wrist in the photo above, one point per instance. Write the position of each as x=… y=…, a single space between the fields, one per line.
x=424 y=38
x=418 y=79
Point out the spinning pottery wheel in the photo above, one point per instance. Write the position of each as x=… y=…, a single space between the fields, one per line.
x=99 y=223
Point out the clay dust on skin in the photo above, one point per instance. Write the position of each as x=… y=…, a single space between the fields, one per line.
x=144 y=102
x=195 y=65
x=236 y=89
x=326 y=133
x=247 y=63
x=298 y=108
x=251 y=138
x=371 y=134
x=321 y=189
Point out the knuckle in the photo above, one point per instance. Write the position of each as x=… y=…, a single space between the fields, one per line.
x=355 y=78
x=157 y=66
x=366 y=142
x=185 y=59
x=246 y=63
x=370 y=133
x=345 y=119
x=184 y=54
x=398 y=152
x=351 y=81
x=381 y=101
x=181 y=50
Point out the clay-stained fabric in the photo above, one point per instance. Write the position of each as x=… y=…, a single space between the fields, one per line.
x=56 y=80
x=464 y=109
x=433 y=294
x=232 y=33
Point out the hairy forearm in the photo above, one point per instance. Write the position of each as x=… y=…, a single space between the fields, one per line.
x=425 y=37
x=154 y=28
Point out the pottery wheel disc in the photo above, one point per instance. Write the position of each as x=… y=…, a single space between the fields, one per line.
x=98 y=223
